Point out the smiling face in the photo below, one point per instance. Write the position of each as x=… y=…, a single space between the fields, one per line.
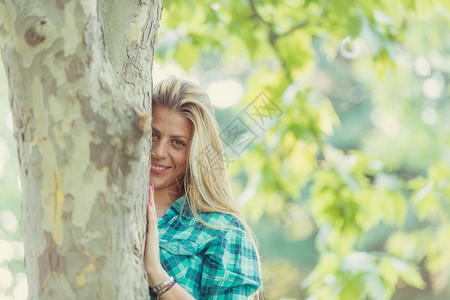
x=171 y=136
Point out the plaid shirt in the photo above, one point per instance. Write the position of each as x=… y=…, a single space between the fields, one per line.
x=208 y=263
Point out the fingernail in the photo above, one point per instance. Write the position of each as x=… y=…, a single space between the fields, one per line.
x=153 y=188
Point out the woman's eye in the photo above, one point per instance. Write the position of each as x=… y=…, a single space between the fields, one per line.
x=179 y=143
x=154 y=136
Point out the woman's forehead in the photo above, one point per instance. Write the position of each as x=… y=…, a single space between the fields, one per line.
x=171 y=123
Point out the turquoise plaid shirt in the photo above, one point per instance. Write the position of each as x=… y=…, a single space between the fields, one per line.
x=208 y=263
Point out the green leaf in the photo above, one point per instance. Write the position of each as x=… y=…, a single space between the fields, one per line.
x=354 y=24
x=296 y=50
x=354 y=288
x=408 y=273
x=375 y=287
x=413 y=278
x=388 y=272
x=186 y=55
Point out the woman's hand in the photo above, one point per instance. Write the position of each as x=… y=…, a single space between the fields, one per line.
x=155 y=272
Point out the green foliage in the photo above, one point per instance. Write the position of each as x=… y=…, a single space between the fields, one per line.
x=350 y=196
x=356 y=165
x=11 y=249
x=360 y=275
x=370 y=193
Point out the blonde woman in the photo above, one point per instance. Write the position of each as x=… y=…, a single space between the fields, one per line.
x=198 y=245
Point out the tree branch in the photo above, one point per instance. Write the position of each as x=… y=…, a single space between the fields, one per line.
x=256 y=14
x=273 y=37
x=294 y=28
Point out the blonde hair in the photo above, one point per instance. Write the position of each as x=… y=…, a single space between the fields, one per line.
x=206 y=181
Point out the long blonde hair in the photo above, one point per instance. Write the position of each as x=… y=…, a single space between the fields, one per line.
x=206 y=182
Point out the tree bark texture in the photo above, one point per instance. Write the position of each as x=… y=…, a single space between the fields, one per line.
x=79 y=75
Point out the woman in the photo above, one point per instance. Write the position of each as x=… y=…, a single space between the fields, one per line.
x=198 y=245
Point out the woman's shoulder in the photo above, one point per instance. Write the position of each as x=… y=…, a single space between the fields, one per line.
x=209 y=218
x=209 y=226
x=224 y=220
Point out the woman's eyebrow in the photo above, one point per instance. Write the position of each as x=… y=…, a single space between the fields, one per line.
x=179 y=136
x=173 y=136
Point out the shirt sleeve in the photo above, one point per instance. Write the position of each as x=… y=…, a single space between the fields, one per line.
x=231 y=268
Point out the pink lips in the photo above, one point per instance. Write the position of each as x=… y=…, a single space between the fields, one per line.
x=160 y=171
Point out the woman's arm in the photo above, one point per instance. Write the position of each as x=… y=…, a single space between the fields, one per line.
x=231 y=269
x=176 y=292
x=155 y=272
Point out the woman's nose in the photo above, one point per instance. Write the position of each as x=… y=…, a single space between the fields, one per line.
x=159 y=148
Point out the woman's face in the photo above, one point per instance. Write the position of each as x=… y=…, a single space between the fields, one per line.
x=171 y=136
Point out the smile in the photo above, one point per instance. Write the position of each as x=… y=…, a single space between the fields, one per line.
x=158 y=170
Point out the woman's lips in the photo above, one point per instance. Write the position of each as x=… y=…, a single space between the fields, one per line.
x=158 y=169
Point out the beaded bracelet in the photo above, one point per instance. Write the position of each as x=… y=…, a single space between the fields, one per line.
x=159 y=296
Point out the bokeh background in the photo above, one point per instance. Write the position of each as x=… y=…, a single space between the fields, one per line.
x=336 y=119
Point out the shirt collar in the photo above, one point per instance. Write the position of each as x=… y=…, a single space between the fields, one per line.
x=180 y=207
x=178 y=204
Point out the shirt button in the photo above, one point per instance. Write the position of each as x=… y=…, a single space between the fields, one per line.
x=174 y=248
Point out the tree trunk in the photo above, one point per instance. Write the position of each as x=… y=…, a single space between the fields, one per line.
x=79 y=74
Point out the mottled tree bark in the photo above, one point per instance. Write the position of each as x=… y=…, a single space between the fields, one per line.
x=79 y=74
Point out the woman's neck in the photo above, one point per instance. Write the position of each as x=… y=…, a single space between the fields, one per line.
x=166 y=197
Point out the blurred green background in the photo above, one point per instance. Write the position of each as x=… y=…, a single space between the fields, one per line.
x=342 y=160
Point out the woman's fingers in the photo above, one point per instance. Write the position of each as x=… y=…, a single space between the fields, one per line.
x=152 y=196
x=151 y=254
x=151 y=211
